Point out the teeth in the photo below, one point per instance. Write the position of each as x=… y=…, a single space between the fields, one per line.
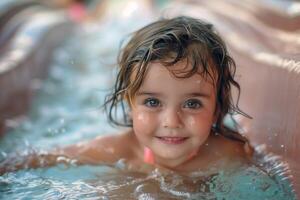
x=172 y=139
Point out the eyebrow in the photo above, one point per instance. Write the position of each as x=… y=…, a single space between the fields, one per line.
x=193 y=94
x=147 y=93
x=199 y=94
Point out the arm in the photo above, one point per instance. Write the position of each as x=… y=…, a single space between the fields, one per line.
x=30 y=159
x=101 y=150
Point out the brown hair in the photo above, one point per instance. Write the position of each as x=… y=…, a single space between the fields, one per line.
x=169 y=41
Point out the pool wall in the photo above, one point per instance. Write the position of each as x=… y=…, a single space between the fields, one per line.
x=29 y=34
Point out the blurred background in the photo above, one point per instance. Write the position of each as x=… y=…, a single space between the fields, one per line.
x=58 y=58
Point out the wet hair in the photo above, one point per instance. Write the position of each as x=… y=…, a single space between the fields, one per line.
x=169 y=41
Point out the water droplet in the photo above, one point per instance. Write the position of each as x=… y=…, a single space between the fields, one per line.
x=121 y=164
x=282 y=146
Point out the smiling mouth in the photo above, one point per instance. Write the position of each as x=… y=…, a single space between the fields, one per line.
x=172 y=140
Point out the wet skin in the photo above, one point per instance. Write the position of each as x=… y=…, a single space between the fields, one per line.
x=173 y=116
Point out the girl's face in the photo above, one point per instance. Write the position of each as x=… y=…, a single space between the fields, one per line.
x=173 y=116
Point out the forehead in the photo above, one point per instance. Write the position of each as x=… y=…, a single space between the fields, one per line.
x=160 y=77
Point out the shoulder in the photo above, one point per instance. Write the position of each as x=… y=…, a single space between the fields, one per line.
x=111 y=140
x=103 y=149
x=229 y=147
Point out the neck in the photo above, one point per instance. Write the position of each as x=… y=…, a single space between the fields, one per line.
x=149 y=158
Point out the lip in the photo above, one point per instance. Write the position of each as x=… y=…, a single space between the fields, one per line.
x=172 y=140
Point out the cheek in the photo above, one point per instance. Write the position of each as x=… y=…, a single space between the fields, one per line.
x=191 y=121
x=142 y=122
x=199 y=124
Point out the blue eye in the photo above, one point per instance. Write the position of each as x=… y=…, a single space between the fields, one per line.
x=152 y=102
x=193 y=104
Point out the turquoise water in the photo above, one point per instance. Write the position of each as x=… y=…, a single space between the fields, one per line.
x=103 y=182
x=67 y=110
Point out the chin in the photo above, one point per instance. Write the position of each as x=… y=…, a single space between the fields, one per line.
x=176 y=158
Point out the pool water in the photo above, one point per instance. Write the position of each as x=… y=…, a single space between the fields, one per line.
x=67 y=109
x=107 y=182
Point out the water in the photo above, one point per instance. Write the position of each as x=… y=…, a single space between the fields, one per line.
x=104 y=182
x=67 y=110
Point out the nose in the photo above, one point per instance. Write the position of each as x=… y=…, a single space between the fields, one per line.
x=172 y=119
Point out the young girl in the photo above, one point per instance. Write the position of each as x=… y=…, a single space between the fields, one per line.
x=173 y=89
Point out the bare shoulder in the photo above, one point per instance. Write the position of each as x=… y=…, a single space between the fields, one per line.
x=116 y=140
x=103 y=149
x=231 y=148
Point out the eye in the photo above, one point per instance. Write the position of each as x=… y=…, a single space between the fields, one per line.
x=193 y=104
x=152 y=102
